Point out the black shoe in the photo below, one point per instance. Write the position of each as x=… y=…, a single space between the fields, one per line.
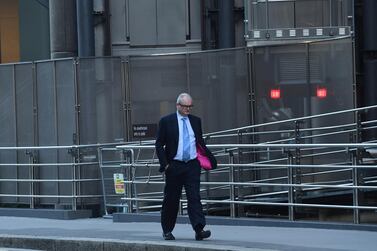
x=168 y=236
x=202 y=235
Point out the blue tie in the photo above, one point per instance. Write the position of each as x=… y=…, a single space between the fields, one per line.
x=186 y=141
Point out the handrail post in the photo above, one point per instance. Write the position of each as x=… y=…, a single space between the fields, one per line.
x=32 y=161
x=74 y=156
x=100 y=163
x=291 y=209
x=356 y=160
x=231 y=189
x=356 y=156
x=297 y=161
x=130 y=159
x=240 y=176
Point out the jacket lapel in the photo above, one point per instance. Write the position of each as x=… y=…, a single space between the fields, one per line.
x=175 y=129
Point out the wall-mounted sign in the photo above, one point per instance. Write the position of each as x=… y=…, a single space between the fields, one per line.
x=144 y=130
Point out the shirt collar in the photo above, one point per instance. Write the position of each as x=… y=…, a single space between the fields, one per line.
x=179 y=116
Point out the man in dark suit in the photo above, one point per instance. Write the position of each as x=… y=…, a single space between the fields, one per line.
x=177 y=137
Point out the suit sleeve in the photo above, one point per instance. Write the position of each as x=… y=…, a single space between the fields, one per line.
x=160 y=145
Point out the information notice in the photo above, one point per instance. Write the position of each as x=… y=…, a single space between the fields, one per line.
x=119 y=183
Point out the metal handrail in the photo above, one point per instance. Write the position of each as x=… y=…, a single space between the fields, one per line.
x=292 y=120
x=72 y=183
x=271 y=183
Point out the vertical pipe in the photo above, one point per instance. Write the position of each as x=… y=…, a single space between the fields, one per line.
x=187 y=57
x=203 y=24
x=188 y=21
x=63 y=32
x=102 y=40
x=85 y=28
x=226 y=24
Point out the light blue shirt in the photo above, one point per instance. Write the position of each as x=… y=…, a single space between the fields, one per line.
x=180 y=141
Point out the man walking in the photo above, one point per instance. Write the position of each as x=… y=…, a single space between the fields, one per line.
x=178 y=135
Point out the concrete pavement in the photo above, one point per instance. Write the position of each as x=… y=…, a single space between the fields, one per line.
x=103 y=234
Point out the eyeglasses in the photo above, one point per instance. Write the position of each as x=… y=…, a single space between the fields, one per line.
x=186 y=106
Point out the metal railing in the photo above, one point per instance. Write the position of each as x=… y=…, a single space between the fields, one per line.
x=290 y=187
x=289 y=175
x=50 y=176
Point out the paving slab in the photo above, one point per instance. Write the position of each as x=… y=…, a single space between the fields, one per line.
x=104 y=234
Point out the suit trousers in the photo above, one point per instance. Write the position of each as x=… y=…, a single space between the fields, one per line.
x=179 y=175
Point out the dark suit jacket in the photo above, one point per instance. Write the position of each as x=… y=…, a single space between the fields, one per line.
x=168 y=137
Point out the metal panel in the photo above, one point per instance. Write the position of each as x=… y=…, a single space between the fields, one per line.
x=171 y=22
x=66 y=121
x=142 y=22
x=281 y=67
x=8 y=130
x=101 y=114
x=7 y=107
x=47 y=129
x=298 y=14
x=219 y=87
x=257 y=16
x=281 y=15
x=195 y=19
x=166 y=78
x=65 y=99
x=298 y=71
x=100 y=100
x=25 y=119
x=119 y=23
x=335 y=58
x=25 y=106
x=312 y=13
x=217 y=82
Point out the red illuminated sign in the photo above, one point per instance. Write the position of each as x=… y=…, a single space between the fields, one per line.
x=275 y=93
x=321 y=92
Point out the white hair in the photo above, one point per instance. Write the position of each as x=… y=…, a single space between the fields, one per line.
x=181 y=96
